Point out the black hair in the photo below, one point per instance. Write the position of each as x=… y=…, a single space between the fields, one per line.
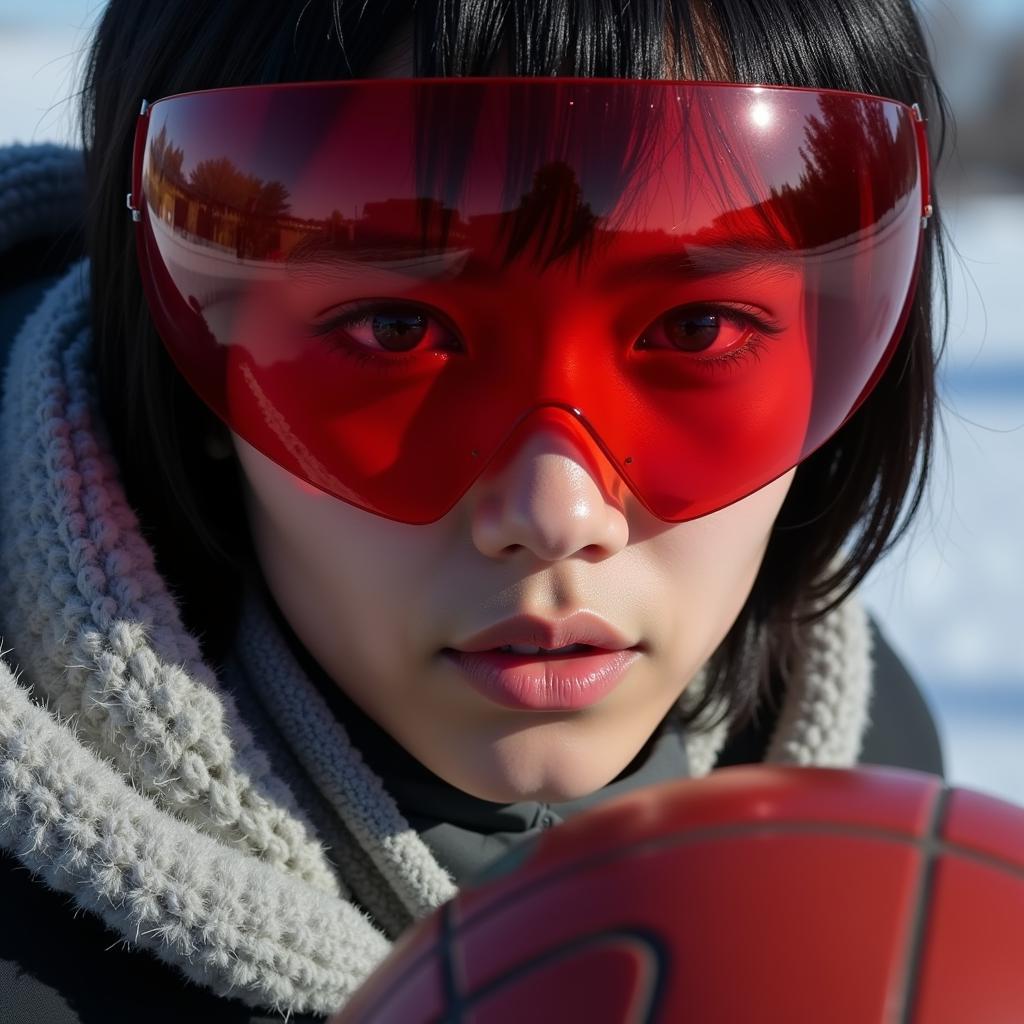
x=849 y=502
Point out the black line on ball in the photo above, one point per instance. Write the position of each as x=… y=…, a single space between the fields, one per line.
x=643 y=935
x=452 y=997
x=931 y=847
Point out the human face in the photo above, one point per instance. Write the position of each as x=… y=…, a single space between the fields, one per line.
x=377 y=602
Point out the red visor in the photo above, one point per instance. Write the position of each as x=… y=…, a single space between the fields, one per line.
x=382 y=284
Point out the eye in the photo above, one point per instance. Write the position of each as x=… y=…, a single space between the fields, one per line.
x=710 y=330
x=693 y=332
x=382 y=327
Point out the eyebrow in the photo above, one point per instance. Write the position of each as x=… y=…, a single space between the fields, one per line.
x=319 y=250
x=732 y=255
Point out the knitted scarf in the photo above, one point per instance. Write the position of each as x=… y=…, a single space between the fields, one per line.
x=222 y=820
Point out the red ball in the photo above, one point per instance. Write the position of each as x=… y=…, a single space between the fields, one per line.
x=760 y=893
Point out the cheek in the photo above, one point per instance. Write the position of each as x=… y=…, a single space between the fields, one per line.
x=333 y=569
x=709 y=566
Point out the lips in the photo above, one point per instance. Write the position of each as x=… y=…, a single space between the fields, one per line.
x=543 y=683
x=558 y=652
x=581 y=627
x=598 y=657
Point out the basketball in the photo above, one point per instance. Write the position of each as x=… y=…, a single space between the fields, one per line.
x=761 y=893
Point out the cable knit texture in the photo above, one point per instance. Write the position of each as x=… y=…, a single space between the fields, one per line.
x=337 y=768
x=41 y=191
x=131 y=779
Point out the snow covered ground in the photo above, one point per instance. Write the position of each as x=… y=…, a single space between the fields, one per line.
x=951 y=598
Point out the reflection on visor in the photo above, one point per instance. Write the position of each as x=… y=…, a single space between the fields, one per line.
x=380 y=284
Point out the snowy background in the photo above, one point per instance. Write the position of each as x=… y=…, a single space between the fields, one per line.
x=951 y=597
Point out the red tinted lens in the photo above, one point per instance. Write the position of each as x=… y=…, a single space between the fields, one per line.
x=378 y=284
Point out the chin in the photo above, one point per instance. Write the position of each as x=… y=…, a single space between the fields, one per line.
x=513 y=794
x=535 y=780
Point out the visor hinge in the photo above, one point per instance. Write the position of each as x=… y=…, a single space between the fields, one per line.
x=928 y=209
x=129 y=199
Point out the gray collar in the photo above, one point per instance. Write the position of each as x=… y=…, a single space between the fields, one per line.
x=467 y=835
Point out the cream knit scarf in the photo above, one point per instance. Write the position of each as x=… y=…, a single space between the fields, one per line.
x=226 y=823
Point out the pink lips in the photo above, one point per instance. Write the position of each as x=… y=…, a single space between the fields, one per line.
x=538 y=682
x=545 y=681
x=580 y=627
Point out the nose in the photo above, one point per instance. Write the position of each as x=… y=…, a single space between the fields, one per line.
x=549 y=491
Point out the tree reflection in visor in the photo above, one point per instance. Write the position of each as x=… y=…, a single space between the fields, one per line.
x=382 y=284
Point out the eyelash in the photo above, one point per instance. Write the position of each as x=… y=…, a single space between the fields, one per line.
x=749 y=317
x=360 y=353
x=761 y=327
